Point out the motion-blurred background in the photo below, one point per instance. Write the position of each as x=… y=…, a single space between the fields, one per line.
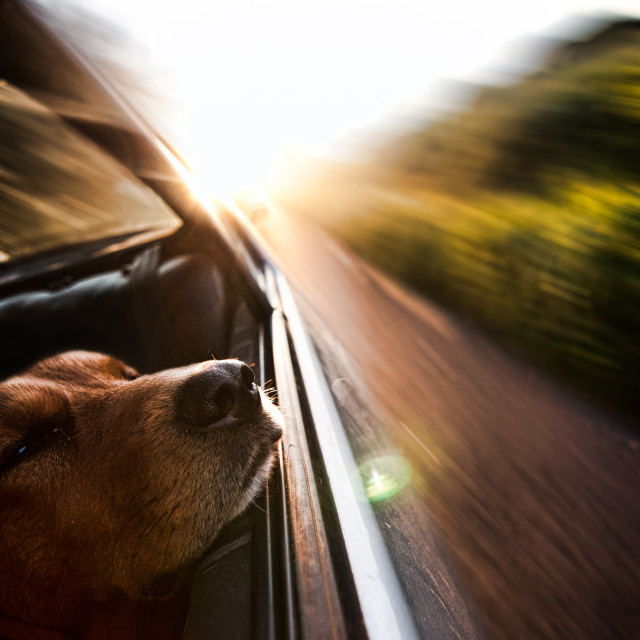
x=454 y=191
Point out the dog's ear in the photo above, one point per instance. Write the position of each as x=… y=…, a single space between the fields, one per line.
x=33 y=414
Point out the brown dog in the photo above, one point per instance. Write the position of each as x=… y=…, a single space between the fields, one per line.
x=110 y=481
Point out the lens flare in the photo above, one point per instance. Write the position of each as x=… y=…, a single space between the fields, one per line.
x=384 y=476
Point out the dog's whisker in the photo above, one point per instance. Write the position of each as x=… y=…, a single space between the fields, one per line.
x=255 y=504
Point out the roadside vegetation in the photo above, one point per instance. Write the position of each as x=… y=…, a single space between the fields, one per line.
x=522 y=213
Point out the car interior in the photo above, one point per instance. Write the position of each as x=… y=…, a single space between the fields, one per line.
x=162 y=295
x=156 y=308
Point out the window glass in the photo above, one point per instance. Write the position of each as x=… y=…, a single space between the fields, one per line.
x=395 y=487
x=58 y=188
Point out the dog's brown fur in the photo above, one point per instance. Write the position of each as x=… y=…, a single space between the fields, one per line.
x=116 y=491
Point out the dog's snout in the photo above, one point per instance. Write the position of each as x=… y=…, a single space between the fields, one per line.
x=222 y=394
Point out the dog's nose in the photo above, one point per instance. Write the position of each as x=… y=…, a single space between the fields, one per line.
x=222 y=394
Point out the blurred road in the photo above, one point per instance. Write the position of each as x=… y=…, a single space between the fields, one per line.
x=534 y=493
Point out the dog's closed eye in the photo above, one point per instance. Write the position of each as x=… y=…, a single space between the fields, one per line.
x=38 y=440
x=45 y=422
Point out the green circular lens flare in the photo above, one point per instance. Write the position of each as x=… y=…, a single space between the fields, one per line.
x=384 y=476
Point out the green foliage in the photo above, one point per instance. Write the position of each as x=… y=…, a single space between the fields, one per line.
x=559 y=281
x=523 y=214
x=582 y=115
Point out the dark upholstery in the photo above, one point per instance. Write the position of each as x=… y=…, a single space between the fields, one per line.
x=151 y=316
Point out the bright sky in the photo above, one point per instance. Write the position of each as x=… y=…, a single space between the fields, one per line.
x=261 y=77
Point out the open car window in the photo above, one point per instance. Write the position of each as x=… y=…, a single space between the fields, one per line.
x=319 y=553
x=58 y=188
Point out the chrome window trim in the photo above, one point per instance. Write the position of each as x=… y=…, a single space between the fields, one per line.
x=385 y=612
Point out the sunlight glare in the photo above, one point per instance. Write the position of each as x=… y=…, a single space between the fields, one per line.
x=257 y=78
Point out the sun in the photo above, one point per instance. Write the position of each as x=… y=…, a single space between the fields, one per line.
x=257 y=78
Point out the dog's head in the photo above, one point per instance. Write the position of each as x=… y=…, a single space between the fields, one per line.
x=109 y=479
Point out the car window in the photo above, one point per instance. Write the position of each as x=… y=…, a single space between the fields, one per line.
x=58 y=188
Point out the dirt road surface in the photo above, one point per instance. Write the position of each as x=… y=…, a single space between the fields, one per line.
x=535 y=494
